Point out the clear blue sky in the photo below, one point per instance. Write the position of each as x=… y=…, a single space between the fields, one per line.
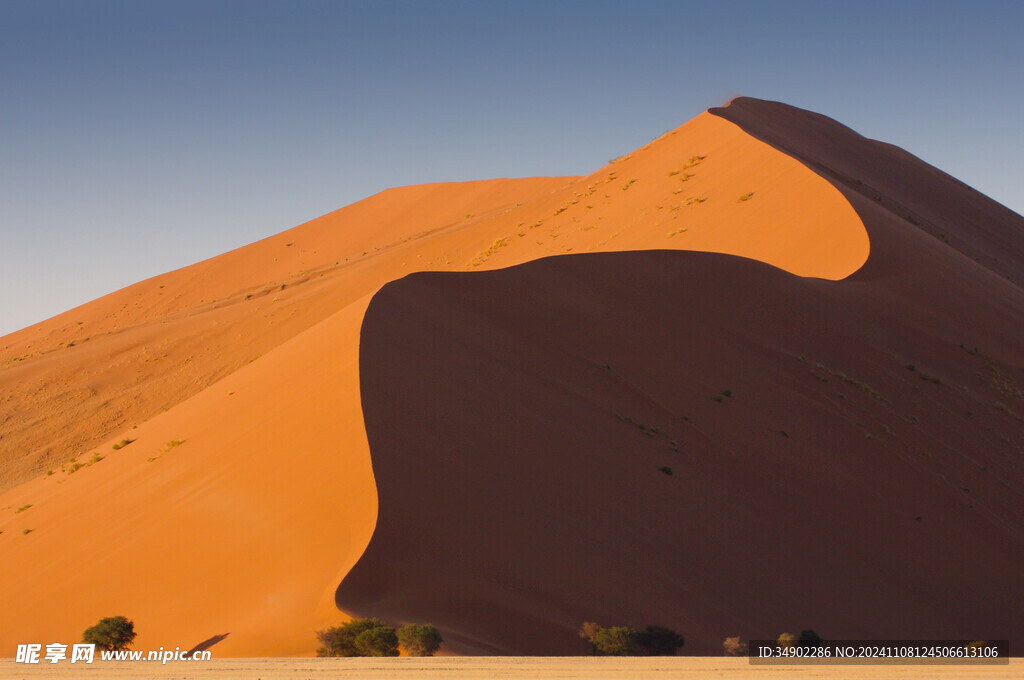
x=139 y=137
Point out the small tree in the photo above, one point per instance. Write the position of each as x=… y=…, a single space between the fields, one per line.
x=808 y=638
x=113 y=634
x=733 y=646
x=786 y=640
x=420 y=640
x=379 y=641
x=588 y=631
x=658 y=641
x=341 y=640
x=616 y=641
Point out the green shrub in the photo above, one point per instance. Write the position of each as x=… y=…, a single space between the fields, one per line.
x=379 y=641
x=808 y=638
x=420 y=640
x=624 y=641
x=113 y=634
x=658 y=641
x=615 y=641
x=123 y=443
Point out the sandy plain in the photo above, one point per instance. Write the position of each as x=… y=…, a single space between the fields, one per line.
x=486 y=668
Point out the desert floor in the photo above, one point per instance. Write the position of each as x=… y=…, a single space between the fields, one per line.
x=485 y=668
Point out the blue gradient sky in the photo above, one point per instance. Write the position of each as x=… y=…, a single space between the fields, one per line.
x=139 y=137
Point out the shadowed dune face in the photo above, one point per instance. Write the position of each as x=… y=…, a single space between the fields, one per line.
x=867 y=483
x=518 y=421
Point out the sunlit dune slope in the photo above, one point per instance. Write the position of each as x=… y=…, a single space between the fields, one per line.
x=248 y=491
x=71 y=382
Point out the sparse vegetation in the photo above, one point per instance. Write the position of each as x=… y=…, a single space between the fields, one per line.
x=23 y=508
x=747 y=196
x=95 y=459
x=123 y=443
x=625 y=641
x=786 y=641
x=26 y=532
x=114 y=634
x=666 y=469
x=372 y=637
x=420 y=639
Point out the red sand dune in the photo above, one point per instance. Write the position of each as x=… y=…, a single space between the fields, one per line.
x=252 y=361
x=518 y=421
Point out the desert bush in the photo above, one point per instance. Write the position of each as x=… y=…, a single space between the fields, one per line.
x=615 y=641
x=379 y=641
x=114 y=634
x=588 y=631
x=786 y=640
x=733 y=646
x=624 y=641
x=420 y=640
x=342 y=640
x=658 y=641
x=808 y=638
